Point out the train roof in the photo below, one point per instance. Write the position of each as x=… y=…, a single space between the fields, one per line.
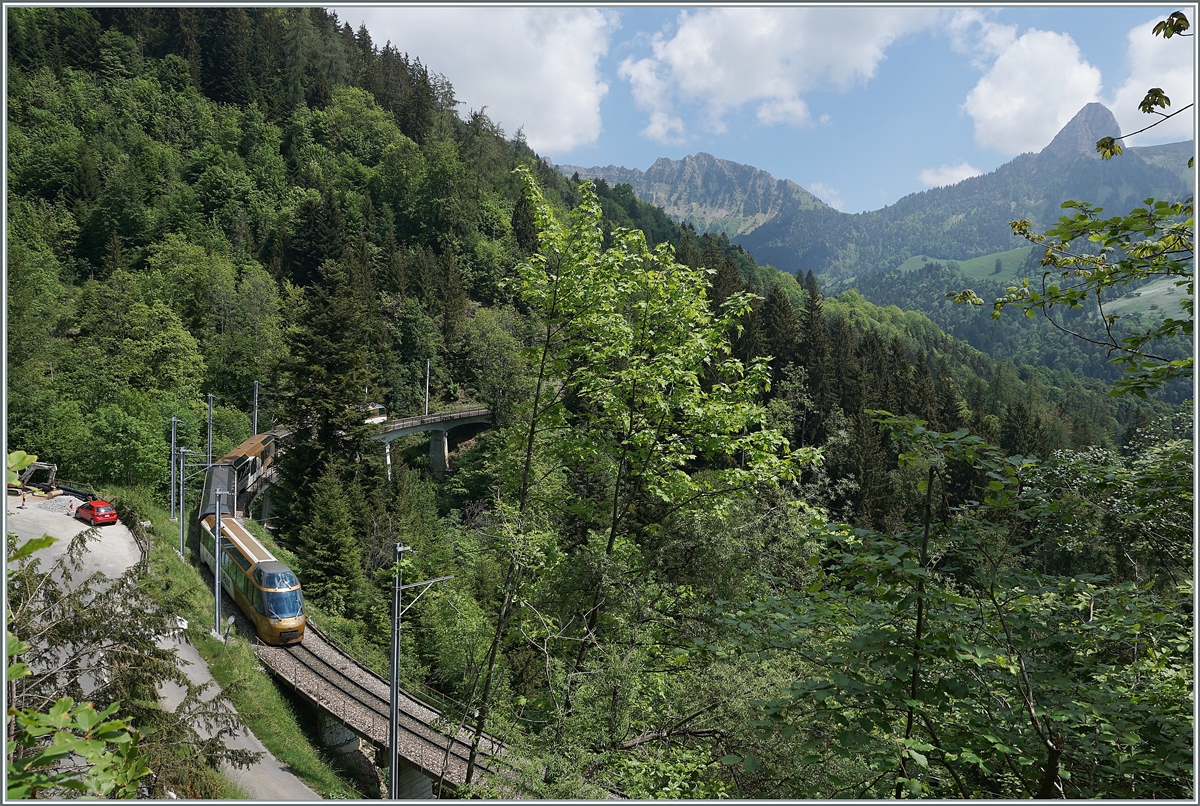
x=250 y=446
x=238 y=534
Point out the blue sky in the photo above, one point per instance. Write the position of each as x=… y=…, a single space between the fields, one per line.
x=860 y=105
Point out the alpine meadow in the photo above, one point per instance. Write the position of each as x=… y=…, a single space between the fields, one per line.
x=705 y=489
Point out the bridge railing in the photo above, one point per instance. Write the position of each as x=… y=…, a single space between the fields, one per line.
x=419 y=691
x=436 y=417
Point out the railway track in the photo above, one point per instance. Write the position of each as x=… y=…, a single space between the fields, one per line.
x=360 y=699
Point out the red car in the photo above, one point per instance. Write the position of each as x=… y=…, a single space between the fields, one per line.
x=96 y=513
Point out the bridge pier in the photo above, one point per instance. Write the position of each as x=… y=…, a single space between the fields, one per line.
x=439 y=453
x=349 y=752
x=411 y=783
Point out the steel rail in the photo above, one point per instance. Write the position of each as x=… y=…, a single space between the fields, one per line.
x=312 y=669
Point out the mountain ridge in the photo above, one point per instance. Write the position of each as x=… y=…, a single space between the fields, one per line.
x=711 y=194
x=783 y=224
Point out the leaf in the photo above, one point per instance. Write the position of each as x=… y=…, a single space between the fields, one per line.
x=30 y=546
x=1155 y=99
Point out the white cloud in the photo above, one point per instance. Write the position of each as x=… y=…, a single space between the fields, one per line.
x=723 y=59
x=826 y=194
x=948 y=174
x=532 y=68
x=982 y=45
x=650 y=92
x=1034 y=86
x=1156 y=62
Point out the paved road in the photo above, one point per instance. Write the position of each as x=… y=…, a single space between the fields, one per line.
x=112 y=552
x=269 y=778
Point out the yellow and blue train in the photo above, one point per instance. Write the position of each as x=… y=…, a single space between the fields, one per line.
x=265 y=589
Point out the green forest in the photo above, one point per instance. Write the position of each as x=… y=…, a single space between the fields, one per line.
x=1035 y=341
x=727 y=537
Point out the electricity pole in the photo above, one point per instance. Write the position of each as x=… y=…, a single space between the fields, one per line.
x=426 y=385
x=182 y=509
x=254 y=424
x=217 y=567
x=210 y=400
x=173 y=421
x=394 y=710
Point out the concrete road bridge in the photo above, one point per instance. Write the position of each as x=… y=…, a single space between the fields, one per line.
x=438 y=425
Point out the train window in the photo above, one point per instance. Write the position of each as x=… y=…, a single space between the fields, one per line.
x=278 y=579
x=284 y=604
x=239 y=558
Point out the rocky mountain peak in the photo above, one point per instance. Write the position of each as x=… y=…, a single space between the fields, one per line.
x=711 y=194
x=1079 y=136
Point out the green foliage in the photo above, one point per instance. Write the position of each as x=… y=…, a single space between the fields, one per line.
x=17 y=461
x=330 y=559
x=125 y=342
x=679 y=772
x=114 y=764
x=127 y=442
x=1152 y=241
x=942 y=662
x=637 y=339
x=67 y=747
x=105 y=632
x=308 y=211
x=497 y=369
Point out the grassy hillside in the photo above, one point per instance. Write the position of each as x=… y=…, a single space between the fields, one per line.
x=1157 y=299
x=1012 y=264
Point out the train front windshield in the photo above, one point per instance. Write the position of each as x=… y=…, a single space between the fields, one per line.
x=284 y=604
x=278 y=579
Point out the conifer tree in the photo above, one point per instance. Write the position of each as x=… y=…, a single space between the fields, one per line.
x=85 y=184
x=524 y=227
x=870 y=471
x=329 y=374
x=452 y=301
x=781 y=332
x=752 y=342
x=844 y=375
x=318 y=237
x=393 y=273
x=687 y=253
x=901 y=378
x=923 y=393
x=814 y=350
x=952 y=412
x=878 y=380
x=227 y=41
x=1021 y=432
x=418 y=105
x=422 y=272
x=330 y=557
x=727 y=281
